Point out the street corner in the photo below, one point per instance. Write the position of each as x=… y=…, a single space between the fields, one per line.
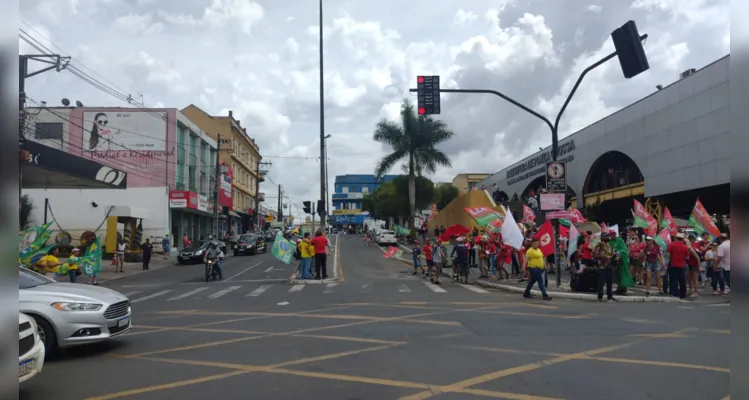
x=280 y=384
x=408 y=362
x=103 y=377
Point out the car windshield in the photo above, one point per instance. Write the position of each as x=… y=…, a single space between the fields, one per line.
x=388 y=233
x=28 y=279
x=247 y=238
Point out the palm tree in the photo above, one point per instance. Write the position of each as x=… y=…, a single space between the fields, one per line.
x=413 y=140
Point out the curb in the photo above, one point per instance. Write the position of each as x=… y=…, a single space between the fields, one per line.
x=581 y=296
x=335 y=278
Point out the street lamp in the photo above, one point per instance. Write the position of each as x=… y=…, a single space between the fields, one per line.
x=322 y=126
x=327 y=178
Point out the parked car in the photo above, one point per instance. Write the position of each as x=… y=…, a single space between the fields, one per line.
x=69 y=314
x=194 y=254
x=250 y=244
x=387 y=237
x=30 y=349
x=270 y=237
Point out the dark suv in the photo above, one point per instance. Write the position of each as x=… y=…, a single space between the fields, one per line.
x=250 y=244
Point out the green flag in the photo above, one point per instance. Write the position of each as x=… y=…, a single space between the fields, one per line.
x=90 y=263
x=283 y=249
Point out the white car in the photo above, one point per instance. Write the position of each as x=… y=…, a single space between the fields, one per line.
x=30 y=349
x=386 y=237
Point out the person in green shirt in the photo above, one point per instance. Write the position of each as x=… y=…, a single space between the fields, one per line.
x=534 y=264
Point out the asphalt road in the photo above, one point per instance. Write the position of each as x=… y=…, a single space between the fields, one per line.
x=381 y=333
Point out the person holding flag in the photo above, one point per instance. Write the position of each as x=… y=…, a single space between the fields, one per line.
x=653 y=261
x=606 y=259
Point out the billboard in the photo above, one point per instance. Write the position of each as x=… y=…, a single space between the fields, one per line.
x=183 y=199
x=225 y=193
x=117 y=131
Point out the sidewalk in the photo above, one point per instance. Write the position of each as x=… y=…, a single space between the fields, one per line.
x=131 y=269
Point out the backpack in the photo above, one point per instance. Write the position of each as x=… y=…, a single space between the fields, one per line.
x=298 y=253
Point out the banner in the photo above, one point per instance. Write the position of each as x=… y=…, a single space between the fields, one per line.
x=576 y=216
x=643 y=219
x=545 y=237
x=529 y=217
x=392 y=252
x=511 y=234
x=668 y=221
x=572 y=242
x=663 y=239
x=487 y=218
x=701 y=221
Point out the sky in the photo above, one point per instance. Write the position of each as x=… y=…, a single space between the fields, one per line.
x=260 y=59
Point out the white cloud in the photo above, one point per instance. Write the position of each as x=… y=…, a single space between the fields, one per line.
x=201 y=52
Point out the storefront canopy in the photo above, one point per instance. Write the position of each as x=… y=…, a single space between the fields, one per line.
x=48 y=168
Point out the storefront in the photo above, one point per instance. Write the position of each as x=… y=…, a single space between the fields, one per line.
x=190 y=213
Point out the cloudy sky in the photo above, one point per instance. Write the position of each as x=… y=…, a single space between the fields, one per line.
x=260 y=59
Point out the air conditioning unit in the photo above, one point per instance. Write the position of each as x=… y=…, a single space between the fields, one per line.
x=688 y=72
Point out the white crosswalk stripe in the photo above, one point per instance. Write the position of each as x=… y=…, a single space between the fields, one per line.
x=188 y=294
x=434 y=287
x=329 y=287
x=404 y=289
x=296 y=288
x=150 y=296
x=472 y=288
x=223 y=292
x=259 y=291
x=129 y=294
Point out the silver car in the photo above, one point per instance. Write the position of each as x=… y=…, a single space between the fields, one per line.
x=69 y=314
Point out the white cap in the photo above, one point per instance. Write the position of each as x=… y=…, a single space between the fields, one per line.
x=75 y=250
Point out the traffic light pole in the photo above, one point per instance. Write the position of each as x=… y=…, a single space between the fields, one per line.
x=554 y=127
x=322 y=124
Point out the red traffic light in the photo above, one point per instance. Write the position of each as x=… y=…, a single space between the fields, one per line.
x=420 y=79
x=422 y=110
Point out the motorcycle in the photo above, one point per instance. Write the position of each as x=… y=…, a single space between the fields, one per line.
x=210 y=270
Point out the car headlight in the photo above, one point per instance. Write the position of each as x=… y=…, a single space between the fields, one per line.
x=76 y=306
x=199 y=252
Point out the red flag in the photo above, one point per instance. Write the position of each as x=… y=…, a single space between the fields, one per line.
x=545 y=236
x=576 y=217
x=564 y=231
x=528 y=215
x=668 y=221
x=643 y=219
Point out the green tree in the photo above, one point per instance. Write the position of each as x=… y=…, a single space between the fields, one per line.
x=25 y=214
x=444 y=195
x=414 y=141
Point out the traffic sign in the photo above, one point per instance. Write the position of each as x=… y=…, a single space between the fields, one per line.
x=556 y=177
x=558 y=215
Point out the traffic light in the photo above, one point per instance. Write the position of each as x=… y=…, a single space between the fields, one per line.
x=428 y=94
x=307 y=207
x=321 y=207
x=629 y=49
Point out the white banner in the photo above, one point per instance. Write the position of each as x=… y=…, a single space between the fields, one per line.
x=202 y=203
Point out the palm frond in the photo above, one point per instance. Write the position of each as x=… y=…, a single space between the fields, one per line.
x=389 y=133
x=387 y=162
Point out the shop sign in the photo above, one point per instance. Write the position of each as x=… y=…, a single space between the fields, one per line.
x=203 y=203
x=183 y=199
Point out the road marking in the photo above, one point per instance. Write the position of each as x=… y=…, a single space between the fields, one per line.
x=296 y=288
x=434 y=287
x=274 y=280
x=472 y=288
x=259 y=291
x=223 y=292
x=711 y=305
x=244 y=271
x=128 y=294
x=269 y=269
x=188 y=294
x=404 y=289
x=150 y=296
x=329 y=287
x=140 y=286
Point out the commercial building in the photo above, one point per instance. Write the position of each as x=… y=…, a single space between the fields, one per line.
x=467 y=182
x=667 y=149
x=349 y=192
x=243 y=162
x=168 y=160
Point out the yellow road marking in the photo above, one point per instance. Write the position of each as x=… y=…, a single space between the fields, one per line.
x=172 y=385
x=658 y=363
x=643 y=321
x=502 y=395
x=662 y=335
x=131 y=333
x=512 y=351
x=448 y=335
x=720 y=331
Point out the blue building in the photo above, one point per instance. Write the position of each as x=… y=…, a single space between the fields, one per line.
x=349 y=192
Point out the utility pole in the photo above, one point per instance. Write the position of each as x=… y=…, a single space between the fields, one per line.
x=322 y=126
x=218 y=186
x=628 y=44
x=54 y=61
x=280 y=204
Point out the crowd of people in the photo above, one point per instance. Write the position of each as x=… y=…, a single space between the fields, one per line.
x=309 y=250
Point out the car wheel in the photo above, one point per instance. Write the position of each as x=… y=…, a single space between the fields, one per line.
x=47 y=335
x=182 y=262
x=236 y=254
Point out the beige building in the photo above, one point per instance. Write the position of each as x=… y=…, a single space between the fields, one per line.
x=244 y=159
x=466 y=182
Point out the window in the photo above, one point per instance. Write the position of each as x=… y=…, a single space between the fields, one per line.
x=344 y=189
x=365 y=189
x=48 y=130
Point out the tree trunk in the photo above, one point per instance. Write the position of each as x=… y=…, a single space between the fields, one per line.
x=412 y=195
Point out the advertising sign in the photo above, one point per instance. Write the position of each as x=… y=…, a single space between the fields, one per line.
x=552 y=201
x=183 y=199
x=225 y=192
x=202 y=203
x=117 y=131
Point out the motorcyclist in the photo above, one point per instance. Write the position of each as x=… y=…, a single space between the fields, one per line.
x=214 y=253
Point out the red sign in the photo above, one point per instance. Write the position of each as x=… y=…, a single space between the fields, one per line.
x=183 y=199
x=559 y=215
x=225 y=192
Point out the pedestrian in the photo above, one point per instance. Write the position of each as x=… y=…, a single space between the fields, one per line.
x=147 y=248
x=504 y=257
x=73 y=270
x=320 y=244
x=723 y=260
x=307 y=254
x=49 y=263
x=636 y=256
x=653 y=261
x=678 y=252
x=607 y=259
x=166 y=245
x=483 y=256
x=185 y=241
x=534 y=265
x=120 y=262
x=416 y=255
x=438 y=258
x=428 y=252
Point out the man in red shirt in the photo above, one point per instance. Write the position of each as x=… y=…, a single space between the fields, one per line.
x=503 y=258
x=586 y=252
x=678 y=253
x=320 y=243
x=427 y=251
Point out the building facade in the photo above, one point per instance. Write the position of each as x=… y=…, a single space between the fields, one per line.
x=242 y=162
x=670 y=145
x=467 y=182
x=166 y=157
x=349 y=192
